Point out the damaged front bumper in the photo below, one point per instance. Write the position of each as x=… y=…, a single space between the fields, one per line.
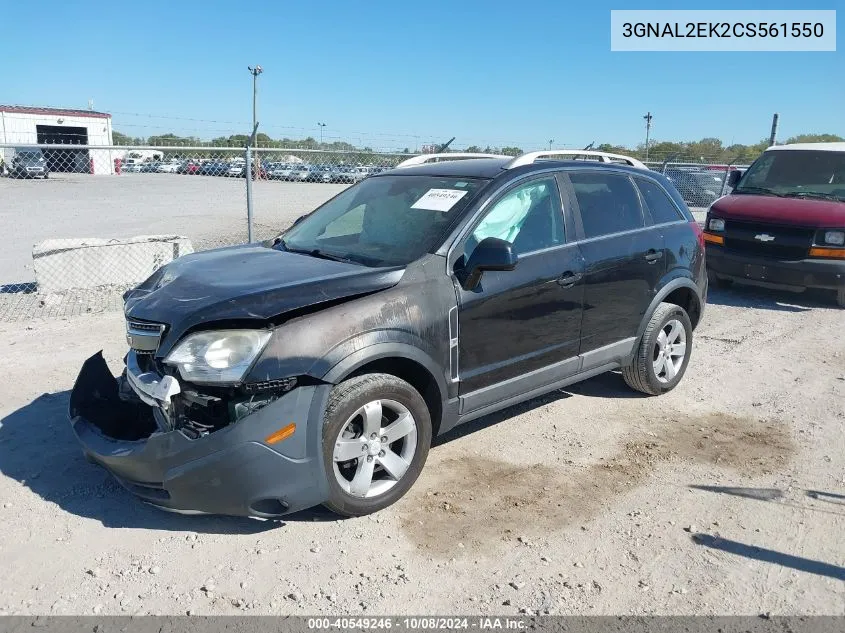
x=230 y=471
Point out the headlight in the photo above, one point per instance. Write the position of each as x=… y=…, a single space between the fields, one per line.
x=837 y=238
x=716 y=224
x=220 y=356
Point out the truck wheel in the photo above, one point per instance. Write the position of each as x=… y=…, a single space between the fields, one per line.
x=663 y=353
x=376 y=437
x=840 y=297
x=718 y=282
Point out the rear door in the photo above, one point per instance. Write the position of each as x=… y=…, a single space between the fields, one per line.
x=623 y=257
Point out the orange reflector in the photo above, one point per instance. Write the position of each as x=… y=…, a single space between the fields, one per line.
x=836 y=253
x=715 y=239
x=282 y=434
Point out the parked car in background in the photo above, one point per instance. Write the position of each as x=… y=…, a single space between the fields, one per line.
x=784 y=223
x=320 y=173
x=131 y=166
x=189 y=167
x=344 y=174
x=28 y=163
x=236 y=169
x=698 y=187
x=300 y=172
x=264 y=379
x=214 y=168
x=280 y=171
x=169 y=167
x=150 y=167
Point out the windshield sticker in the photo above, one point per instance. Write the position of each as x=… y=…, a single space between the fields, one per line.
x=439 y=199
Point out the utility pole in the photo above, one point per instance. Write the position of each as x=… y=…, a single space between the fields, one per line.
x=773 y=138
x=254 y=171
x=322 y=125
x=551 y=140
x=647 y=118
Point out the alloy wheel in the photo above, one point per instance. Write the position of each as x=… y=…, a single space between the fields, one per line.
x=375 y=448
x=670 y=351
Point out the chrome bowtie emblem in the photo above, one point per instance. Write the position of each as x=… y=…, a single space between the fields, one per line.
x=764 y=237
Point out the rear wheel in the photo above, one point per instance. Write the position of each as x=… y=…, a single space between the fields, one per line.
x=376 y=437
x=663 y=353
x=840 y=297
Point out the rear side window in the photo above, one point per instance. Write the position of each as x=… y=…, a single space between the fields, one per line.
x=608 y=203
x=658 y=202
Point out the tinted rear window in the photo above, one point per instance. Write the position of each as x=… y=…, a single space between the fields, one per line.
x=608 y=203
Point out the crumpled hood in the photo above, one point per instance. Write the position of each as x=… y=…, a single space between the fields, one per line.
x=807 y=212
x=245 y=283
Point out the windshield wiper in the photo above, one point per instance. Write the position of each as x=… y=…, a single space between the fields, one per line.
x=315 y=252
x=811 y=194
x=762 y=190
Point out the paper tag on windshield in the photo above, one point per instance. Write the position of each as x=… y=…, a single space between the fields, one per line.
x=439 y=199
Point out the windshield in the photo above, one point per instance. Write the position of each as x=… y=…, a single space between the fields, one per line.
x=30 y=156
x=384 y=221
x=797 y=172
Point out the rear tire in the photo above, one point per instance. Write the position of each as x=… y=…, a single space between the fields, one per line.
x=376 y=436
x=840 y=297
x=664 y=351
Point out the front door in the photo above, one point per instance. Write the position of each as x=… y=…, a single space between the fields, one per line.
x=524 y=320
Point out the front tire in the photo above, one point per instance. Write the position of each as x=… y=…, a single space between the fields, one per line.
x=376 y=436
x=663 y=354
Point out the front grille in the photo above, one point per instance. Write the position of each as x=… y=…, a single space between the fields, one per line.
x=775 y=251
x=761 y=239
x=143 y=337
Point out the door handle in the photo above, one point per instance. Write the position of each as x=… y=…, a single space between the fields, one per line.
x=652 y=256
x=569 y=279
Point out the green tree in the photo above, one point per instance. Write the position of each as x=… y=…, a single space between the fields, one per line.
x=512 y=151
x=474 y=149
x=815 y=138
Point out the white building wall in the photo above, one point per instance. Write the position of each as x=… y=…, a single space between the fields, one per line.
x=19 y=128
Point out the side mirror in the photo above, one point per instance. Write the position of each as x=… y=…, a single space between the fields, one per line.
x=491 y=253
x=733 y=178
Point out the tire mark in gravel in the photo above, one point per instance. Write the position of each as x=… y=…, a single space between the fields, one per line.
x=478 y=501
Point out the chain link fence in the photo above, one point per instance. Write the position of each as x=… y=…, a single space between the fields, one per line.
x=83 y=224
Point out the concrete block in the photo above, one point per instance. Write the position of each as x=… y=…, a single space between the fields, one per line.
x=64 y=264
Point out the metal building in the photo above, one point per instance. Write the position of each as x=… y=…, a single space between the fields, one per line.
x=27 y=125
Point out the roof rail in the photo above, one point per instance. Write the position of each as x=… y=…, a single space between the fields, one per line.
x=432 y=158
x=603 y=157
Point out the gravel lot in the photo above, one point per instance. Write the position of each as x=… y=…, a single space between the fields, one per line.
x=726 y=496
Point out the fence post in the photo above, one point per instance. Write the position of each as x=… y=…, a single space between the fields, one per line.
x=248 y=178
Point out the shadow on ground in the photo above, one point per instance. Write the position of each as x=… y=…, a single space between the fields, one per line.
x=39 y=450
x=775 y=495
x=747 y=296
x=770 y=556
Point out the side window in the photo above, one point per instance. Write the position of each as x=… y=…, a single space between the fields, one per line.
x=608 y=203
x=658 y=202
x=528 y=216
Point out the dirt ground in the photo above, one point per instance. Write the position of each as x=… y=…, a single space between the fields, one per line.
x=726 y=496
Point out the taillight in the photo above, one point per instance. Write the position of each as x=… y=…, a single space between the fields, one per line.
x=699 y=233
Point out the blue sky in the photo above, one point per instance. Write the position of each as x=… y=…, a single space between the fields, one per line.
x=395 y=74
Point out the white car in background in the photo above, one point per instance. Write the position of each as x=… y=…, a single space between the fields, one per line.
x=170 y=167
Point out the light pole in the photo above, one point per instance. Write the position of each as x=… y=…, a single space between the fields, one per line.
x=551 y=140
x=322 y=125
x=647 y=118
x=255 y=72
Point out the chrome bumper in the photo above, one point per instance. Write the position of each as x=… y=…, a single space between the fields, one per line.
x=151 y=387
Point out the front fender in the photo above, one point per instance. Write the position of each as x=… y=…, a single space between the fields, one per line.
x=393 y=349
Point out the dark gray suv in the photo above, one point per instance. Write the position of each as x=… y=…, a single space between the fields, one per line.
x=317 y=368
